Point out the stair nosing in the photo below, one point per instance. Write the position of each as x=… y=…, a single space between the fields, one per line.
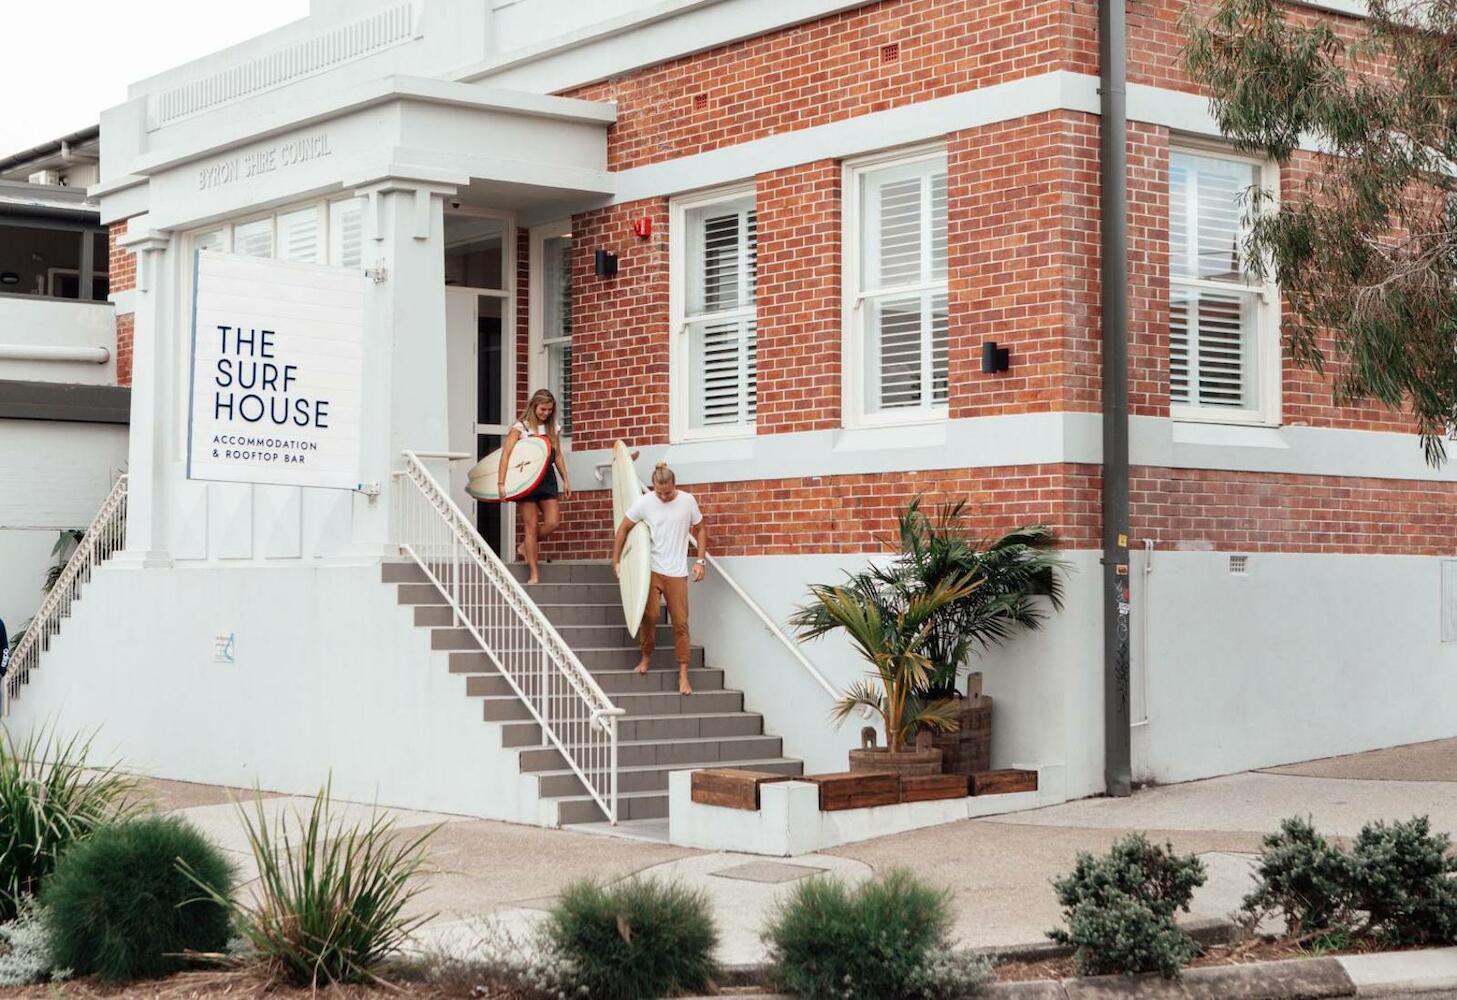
x=681 y=766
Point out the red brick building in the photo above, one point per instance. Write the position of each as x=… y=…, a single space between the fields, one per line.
x=820 y=213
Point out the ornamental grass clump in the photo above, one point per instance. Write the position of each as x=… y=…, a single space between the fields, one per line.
x=1119 y=909
x=125 y=903
x=50 y=798
x=636 y=939
x=329 y=903
x=888 y=937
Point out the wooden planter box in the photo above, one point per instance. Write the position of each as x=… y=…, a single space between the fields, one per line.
x=934 y=786
x=1003 y=782
x=857 y=789
x=730 y=788
x=969 y=748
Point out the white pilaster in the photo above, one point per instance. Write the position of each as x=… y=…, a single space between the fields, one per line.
x=149 y=458
x=405 y=398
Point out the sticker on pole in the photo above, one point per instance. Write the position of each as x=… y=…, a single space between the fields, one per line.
x=277 y=372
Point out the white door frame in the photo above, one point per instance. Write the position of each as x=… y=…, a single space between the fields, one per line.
x=507 y=294
x=536 y=299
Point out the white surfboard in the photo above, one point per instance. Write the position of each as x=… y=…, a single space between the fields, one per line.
x=529 y=461
x=635 y=567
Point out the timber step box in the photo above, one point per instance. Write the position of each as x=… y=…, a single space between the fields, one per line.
x=857 y=789
x=662 y=731
x=925 y=787
x=1003 y=782
x=732 y=789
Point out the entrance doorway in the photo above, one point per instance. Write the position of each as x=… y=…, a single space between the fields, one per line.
x=479 y=313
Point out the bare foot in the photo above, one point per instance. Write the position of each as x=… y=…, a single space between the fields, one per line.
x=683 y=686
x=642 y=666
x=533 y=581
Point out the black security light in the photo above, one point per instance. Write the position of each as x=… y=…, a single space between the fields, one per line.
x=605 y=263
x=9 y=278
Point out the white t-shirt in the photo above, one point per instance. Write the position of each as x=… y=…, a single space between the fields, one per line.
x=670 y=524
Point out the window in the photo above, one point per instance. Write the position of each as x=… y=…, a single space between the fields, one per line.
x=1223 y=348
x=53 y=258
x=715 y=273
x=896 y=298
x=323 y=231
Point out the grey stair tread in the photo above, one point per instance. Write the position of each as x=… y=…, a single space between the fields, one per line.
x=739 y=765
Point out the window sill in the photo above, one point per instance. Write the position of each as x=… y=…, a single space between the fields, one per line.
x=1220 y=434
x=728 y=434
x=934 y=417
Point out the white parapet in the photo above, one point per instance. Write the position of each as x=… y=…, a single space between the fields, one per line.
x=789 y=822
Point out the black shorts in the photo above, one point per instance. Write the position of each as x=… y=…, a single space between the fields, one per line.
x=547 y=489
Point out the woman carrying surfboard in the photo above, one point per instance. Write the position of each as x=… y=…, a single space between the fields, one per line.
x=540 y=509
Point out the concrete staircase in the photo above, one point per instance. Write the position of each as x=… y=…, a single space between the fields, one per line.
x=662 y=731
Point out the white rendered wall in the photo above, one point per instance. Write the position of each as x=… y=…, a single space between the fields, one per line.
x=24 y=556
x=331 y=677
x=37 y=322
x=1303 y=656
x=1046 y=686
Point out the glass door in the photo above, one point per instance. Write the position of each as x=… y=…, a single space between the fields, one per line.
x=551 y=315
x=479 y=299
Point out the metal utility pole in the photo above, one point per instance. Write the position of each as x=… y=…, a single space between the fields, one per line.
x=1113 y=223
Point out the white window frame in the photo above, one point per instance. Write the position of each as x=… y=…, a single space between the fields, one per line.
x=678 y=353
x=1265 y=352
x=181 y=363
x=853 y=303
x=536 y=339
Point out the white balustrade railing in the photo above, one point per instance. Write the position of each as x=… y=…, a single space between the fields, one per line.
x=575 y=715
x=105 y=536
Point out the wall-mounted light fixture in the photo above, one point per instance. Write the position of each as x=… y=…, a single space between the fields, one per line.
x=995 y=359
x=9 y=278
x=604 y=263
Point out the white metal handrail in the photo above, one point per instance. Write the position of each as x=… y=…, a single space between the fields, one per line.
x=574 y=713
x=105 y=536
x=773 y=627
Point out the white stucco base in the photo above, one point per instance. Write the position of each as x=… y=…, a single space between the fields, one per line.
x=331 y=679
x=789 y=822
x=1299 y=657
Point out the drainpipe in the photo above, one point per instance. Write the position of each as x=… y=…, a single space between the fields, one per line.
x=1113 y=226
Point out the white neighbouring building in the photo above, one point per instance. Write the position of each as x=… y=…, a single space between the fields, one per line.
x=766 y=242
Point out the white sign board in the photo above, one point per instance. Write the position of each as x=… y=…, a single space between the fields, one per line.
x=277 y=372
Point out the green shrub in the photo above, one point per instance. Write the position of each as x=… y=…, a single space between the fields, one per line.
x=50 y=798
x=635 y=939
x=888 y=937
x=328 y=906
x=1119 y=909
x=124 y=903
x=1402 y=879
x=1303 y=878
x=25 y=950
x=1394 y=886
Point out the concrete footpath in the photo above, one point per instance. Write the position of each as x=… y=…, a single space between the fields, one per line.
x=997 y=870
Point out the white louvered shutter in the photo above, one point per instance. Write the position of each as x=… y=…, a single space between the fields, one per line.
x=254 y=239
x=298 y=235
x=346 y=233
x=903 y=282
x=1214 y=305
x=721 y=322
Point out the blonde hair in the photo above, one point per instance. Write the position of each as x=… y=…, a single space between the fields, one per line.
x=528 y=416
x=663 y=476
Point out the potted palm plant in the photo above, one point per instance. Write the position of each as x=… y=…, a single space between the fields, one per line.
x=1012 y=573
x=892 y=628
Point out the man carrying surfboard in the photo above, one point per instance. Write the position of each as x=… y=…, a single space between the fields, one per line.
x=671 y=514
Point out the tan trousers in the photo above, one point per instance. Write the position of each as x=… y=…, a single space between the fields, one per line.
x=673 y=589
